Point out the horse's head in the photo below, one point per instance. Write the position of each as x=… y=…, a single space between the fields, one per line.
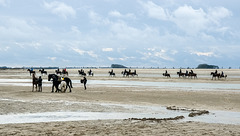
x=211 y=73
x=28 y=70
x=50 y=76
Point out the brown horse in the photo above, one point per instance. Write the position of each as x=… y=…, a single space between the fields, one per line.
x=216 y=75
x=34 y=82
x=64 y=72
x=166 y=75
x=192 y=75
x=43 y=71
x=30 y=71
x=181 y=74
x=58 y=72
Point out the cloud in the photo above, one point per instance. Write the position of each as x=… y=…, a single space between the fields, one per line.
x=52 y=58
x=82 y=52
x=120 y=58
x=97 y=19
x=155 y=11
x=208 y=54
x=116 y=13
x=4 y=48
x=19 y=29
x=3 y=2
x=107 y=49
x=190 y=20
x=215 y=14
x=154 y=53
x=60 y=9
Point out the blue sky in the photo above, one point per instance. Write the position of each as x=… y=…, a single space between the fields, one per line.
x=167 y=33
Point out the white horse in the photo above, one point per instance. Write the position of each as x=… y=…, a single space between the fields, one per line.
x=63 y=86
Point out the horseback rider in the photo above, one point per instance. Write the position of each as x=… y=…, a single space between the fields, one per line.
x=90 y=71
x=166 y=72
x=191 y=71
x=222 y=75
x=180 y=71
x=216 y=72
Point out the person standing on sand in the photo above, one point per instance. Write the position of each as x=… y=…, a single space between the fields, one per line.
x=40 y=83
x=84 y=81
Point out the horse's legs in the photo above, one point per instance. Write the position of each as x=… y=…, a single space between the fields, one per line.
x=52 y=88
x=36 y=87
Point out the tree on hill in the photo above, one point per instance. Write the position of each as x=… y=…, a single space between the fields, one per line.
x=206 y=66
x=117 y=66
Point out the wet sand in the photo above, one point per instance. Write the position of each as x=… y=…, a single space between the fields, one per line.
x=20 y=99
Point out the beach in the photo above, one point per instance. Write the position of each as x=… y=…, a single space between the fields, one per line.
x=109 y=104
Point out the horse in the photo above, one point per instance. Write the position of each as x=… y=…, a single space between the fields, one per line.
x=42 y=71
x=63 y=86
x=34 y=82
x=58 y=72
x=111 y=73
x=124 y=73
x=181 y=74
x=224 y=76
x=64 y=72
x=56 y=82
x=192 y=75
x=90 y=73
x=166 y=75
x=131 y=73
x=216 y=75
x=30 y=71
x=82 y=73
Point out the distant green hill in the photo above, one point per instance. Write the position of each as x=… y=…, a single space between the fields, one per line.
x=206 y=66
x=117 y=66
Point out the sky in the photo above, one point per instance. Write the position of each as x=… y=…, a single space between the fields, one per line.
x=142 y=33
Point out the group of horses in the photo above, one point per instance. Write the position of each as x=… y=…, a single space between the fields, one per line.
x=65 y=82
x=82 y=73
x=57 y=81
x=191 y=74
x=218 y=75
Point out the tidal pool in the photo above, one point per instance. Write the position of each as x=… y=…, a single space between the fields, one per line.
x=223 y=117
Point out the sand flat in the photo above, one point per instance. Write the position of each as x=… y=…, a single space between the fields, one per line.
x=20 y=99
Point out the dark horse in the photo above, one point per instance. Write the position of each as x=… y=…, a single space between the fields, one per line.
x=42 y=71
x=30 y=71
x=56 y=82
x=64 y=72
x=90 y=73
x=216 y=75
x=34 y=82
x=127 y=73
x=58 y=72
x=111 y=73
x=81 y=72
x=190 y=74
x=181 y=74
x=166 y=75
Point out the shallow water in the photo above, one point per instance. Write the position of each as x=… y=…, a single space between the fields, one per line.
x=223 y=117
x=117 y=83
